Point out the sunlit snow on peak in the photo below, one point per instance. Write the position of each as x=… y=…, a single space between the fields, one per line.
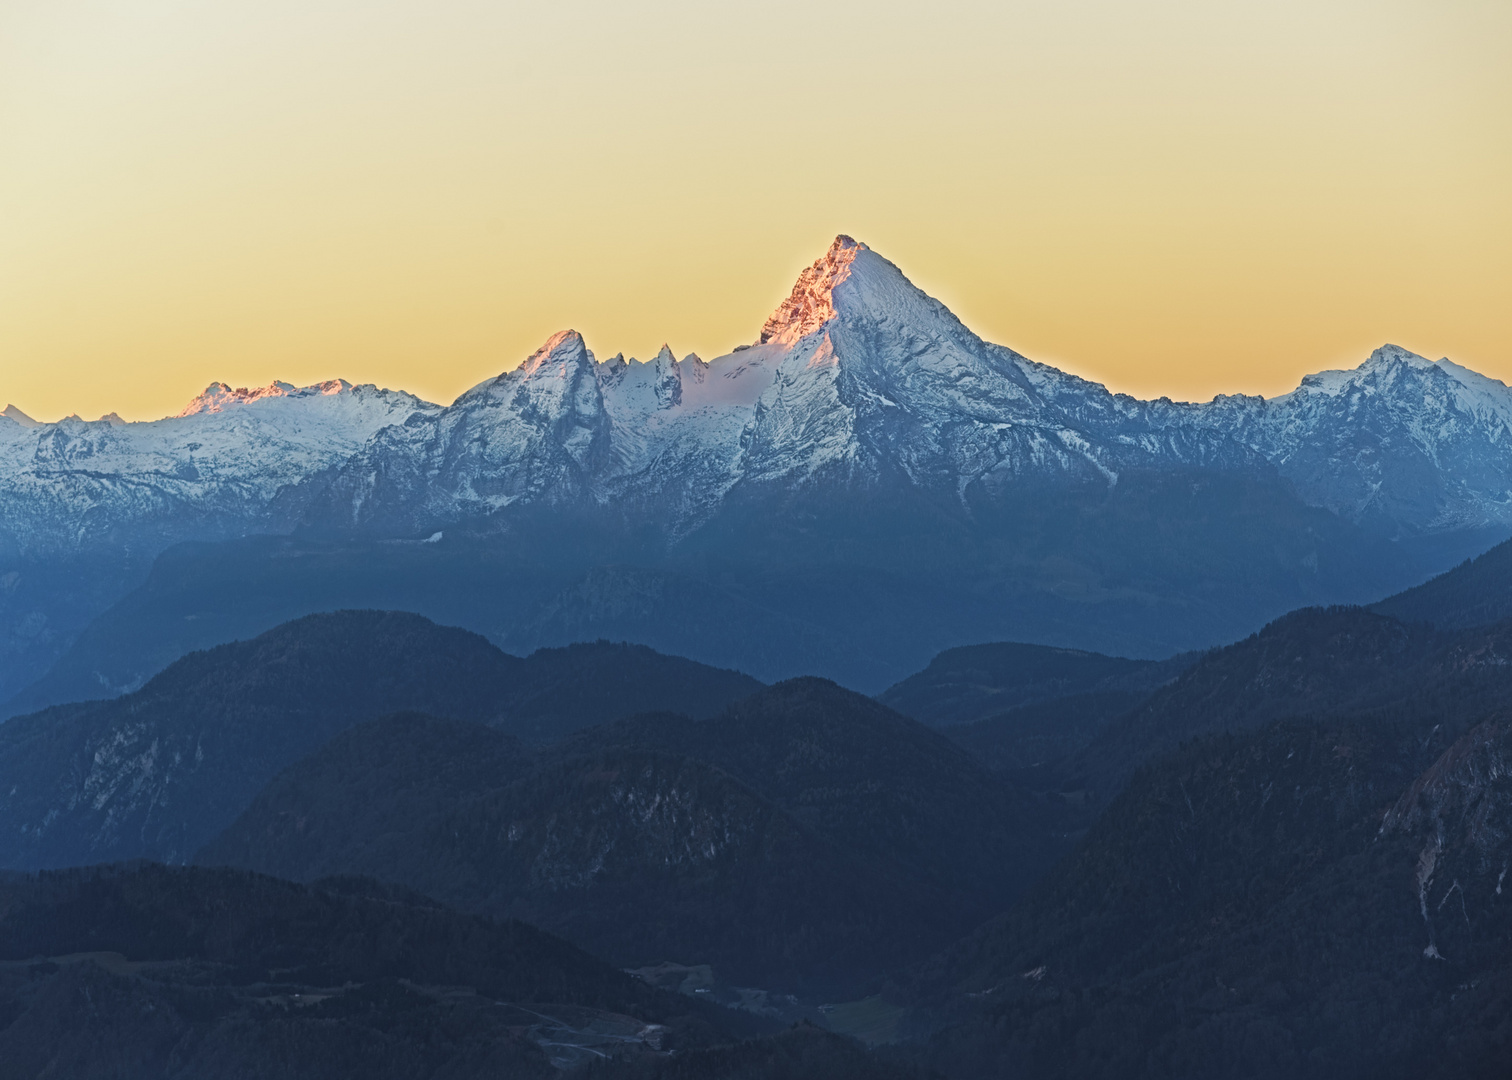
x=811 y=303
x=219 y=396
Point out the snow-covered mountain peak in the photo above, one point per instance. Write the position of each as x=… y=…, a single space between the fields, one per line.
x=1389 y=354
x=562 y=351
x=1419 y=383
x=1380 y=368
x=14 y=414
x=811 y=303
x=219 y=396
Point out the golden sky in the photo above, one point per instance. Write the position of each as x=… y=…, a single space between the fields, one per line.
x=1172 y=197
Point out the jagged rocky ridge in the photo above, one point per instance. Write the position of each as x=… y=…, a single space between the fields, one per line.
x=857 y=375
x=215 y=469
x=866 y=443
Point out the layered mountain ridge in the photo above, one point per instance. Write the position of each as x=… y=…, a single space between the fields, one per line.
x=860 y=376
x=866 y=448
x=857 y=373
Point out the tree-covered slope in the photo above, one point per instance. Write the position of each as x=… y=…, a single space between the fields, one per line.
x=1314 y=662
x=974 y=682
x=806 y=839
x=178 y=973
x=871 y=781
x=159 y=772
x=1309 y=900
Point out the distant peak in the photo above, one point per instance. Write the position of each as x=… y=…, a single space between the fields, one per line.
x=565 y=346
x=13 y=413
x=219 y=396
x=665 y=355
x=1389 y=353
x=811 y=303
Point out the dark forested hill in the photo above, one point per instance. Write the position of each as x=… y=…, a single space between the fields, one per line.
x=368 y=794
x=803 y=1053
x=870 y=780
x=179 y=973
x=805 y=838
x=1031 y=742
x=1309 y=900
x=159 y=772
x=1478 y=592
x=576 y=686
x=640 y=857
x=977 y=681
x=1315 y=662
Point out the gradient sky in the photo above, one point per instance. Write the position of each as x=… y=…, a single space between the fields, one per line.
x=1170 y=197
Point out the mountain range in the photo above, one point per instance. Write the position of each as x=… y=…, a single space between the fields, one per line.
x=867 y=484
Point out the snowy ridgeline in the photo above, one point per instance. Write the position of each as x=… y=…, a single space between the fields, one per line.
x=857 y=375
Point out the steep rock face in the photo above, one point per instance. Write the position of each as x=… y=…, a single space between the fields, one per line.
x=537 y=431
x=1460 y=812
x=857 y=377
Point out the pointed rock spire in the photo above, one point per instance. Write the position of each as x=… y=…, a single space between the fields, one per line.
x=811 y=303
x=564 y=347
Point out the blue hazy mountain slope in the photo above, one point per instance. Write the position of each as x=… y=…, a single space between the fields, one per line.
x=157 y=773
x=977 y=681
x=804 y=839
x=866 y=485
x=1478 y=592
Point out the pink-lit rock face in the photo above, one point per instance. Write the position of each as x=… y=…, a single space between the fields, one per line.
x=812 y=303
x=218 y=396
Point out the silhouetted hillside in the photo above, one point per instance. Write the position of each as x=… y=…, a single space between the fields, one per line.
x=639 y=855
x=1315 y=662
x=1031 y=740
x=374 y=789
x=160 y=772
x=803 y=1053
x=967 y=684
x=150 y=971
x=873 y=782
x=576 y=686
x=1308 y=900
x=1478 y=592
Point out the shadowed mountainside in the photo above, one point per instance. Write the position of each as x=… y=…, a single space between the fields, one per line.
x=1314 y=662
x=1478 y=592
x=806 y=838
x=187 y=972
x=961 y=686
x=159 y=772
x=1313 y=899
